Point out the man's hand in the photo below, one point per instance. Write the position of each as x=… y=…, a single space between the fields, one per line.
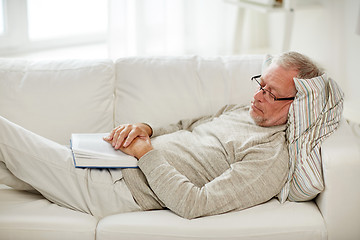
x=133 y=139
x=138 y=147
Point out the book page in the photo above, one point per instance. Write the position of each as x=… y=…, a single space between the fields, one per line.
x=93 y=144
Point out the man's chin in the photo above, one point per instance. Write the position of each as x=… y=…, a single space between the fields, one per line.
x=259 y=120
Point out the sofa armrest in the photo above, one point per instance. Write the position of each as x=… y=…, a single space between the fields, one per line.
x=339 y=203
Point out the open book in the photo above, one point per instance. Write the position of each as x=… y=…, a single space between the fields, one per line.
x=91 y=151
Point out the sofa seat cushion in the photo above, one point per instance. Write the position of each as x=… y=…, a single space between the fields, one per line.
x=271 y=220
x=25 y=215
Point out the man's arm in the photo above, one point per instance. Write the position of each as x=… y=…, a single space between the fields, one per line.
x=190 y=124
x=254 y=180
x=123 y=136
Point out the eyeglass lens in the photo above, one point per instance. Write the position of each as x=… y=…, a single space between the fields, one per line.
x=257 y=86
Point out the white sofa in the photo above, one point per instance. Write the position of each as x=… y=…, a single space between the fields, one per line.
x=56 y=98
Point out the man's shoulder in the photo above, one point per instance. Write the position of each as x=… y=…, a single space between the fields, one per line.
x=234 y=107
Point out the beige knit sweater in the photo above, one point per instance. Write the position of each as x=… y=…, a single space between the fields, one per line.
x=211 y=165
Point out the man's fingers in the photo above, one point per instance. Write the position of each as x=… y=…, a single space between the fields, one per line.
x=124 y=135
x=131 y=136
x=110 y=136
x=121 y=135
x=127 y=136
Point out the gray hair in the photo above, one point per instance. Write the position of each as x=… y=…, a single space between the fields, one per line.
x=296 y=61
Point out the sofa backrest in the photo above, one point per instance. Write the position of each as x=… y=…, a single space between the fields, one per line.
x=163 y=90
x=56 y=98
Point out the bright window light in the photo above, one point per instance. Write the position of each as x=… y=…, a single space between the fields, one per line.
x=51 y=19
x=2 y=23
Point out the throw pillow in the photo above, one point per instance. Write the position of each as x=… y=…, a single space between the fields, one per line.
x=313 y=116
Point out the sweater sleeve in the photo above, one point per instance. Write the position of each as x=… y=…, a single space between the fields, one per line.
x=244 y=184
x=189 y=124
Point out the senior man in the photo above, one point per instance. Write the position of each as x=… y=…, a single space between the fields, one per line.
x=234 y=159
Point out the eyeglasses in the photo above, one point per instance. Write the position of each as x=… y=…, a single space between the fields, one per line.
x=271 y=95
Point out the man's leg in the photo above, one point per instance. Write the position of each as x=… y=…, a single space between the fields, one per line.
x=7 y=178
x=48 y=167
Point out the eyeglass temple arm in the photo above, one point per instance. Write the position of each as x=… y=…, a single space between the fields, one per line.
x=284 y=99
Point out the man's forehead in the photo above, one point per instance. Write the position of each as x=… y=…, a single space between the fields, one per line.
x=279 y=78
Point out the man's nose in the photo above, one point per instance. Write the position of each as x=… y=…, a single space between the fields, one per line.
x=259 y=95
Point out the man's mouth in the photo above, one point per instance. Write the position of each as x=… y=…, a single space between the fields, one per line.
x=254 y=107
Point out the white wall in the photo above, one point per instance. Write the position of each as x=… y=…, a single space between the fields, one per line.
x=327 y=34
x=352 y=62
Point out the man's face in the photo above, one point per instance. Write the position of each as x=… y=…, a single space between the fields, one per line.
x=264 y=110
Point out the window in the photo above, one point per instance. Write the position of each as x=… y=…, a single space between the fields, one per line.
x=63 y=18
x=33 y=25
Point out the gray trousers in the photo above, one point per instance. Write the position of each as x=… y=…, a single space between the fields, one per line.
x=31 y=162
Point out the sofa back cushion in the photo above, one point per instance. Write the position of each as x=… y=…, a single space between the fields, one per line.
x=163 y=90
x=56 y=98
